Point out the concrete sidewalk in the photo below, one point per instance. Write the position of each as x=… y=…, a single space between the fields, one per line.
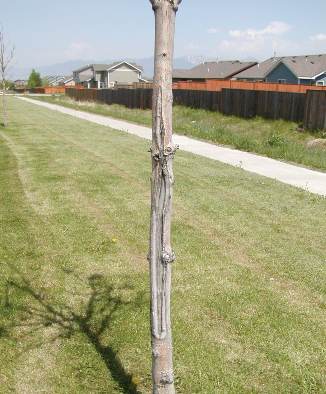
x=312 y=181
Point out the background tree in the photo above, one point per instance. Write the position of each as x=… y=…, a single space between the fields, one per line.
x=160 y=254
x=34 y=79
x=9 y=85
x=5 y=68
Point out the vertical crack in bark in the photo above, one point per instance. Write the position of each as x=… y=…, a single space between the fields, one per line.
x=163 y=253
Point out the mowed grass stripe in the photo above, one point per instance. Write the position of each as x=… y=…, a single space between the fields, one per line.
x=85 y=164
x=278 y=139
x=248 y=296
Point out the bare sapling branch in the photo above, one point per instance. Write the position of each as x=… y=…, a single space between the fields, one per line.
x=5 y=69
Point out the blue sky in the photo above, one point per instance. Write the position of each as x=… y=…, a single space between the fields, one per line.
x=46 y=32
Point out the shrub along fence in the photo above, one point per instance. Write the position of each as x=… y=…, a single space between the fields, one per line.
x=309 y=108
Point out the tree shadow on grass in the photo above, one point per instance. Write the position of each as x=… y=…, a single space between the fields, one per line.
x=95 y=318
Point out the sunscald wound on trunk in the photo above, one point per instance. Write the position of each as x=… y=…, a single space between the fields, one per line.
x=161 y=254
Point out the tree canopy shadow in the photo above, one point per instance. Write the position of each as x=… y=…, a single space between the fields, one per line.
x=93 y=320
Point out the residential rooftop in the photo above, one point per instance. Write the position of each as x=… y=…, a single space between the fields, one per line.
x=306 y=66
x=214 y=70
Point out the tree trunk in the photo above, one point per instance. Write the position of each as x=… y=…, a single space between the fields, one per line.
x=161 y=255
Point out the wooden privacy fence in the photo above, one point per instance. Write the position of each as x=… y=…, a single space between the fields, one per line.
x=50 y=90
x=270 y=105
x=130 y=98
x=309 y=108
x=42 y=89
x=210 y=101
x=315 y=110
x=245 y=103
x=218 y=85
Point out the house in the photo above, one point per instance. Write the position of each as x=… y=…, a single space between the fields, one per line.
x=108 y=75
x=225 y=69
x=84 y=75
x=299 y=70
x=21 y=82
x=52 y=80
x=68 y=81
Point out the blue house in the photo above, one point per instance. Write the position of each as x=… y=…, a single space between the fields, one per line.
x=300 y=70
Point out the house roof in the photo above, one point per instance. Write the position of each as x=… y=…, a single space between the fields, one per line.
x=134 y=65
x=67 y=78
x=100 y=67
x=214 y=70
x=309 y=66
x=259 y=70
x=180 y=73
x=53 y=77
x=83 y=68
x=105 y=67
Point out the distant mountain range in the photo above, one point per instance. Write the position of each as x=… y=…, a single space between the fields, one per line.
x=67 y=68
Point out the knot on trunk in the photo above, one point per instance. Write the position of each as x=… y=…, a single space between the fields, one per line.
x=167 y=377
x=168 y=257
x=160 y=154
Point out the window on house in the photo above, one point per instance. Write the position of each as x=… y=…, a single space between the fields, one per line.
x=281 y=81
x=313 y=83
x=320 y=83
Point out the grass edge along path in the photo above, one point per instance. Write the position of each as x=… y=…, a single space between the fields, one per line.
x=280 y=140
x=248 y=291
x=306 y=179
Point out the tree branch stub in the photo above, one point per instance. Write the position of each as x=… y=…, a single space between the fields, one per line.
x=174 y=3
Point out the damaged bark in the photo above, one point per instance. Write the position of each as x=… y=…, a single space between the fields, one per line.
x=161 y=254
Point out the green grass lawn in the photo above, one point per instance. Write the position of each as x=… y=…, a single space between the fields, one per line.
x=279 y=139
x=248 y=285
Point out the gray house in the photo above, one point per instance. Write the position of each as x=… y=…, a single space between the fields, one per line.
x=21 y=82
x=83 y=75
x=299 y=70
x=53 y=80
x=225 y=69
x=108 y=75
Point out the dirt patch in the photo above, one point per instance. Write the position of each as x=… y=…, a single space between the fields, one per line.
x=316 y=143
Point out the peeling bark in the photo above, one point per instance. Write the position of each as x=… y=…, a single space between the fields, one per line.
x=161 y=254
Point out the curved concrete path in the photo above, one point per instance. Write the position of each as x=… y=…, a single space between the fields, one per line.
x=312 y=181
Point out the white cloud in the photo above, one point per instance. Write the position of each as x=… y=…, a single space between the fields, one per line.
x=77 y=50
x=258 y=43
x=212 y=30
x=318 y=37
x=237 y=33
x=274 y=28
